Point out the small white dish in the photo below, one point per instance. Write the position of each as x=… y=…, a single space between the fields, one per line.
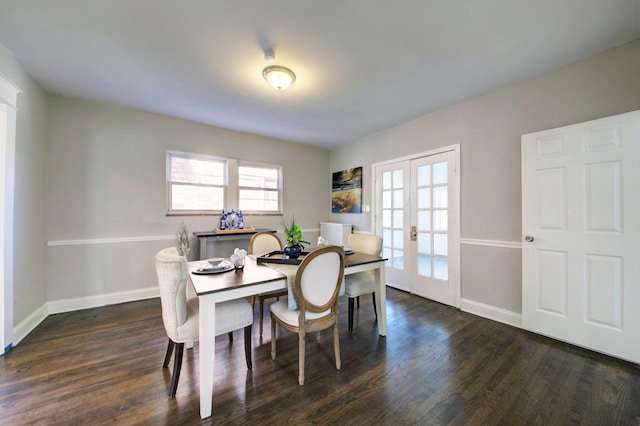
x=215 y=261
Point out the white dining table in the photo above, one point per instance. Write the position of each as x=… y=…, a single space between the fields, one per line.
x=254 y=279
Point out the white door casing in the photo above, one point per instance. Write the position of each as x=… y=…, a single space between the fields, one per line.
x=581 y=227
x=419 y=196
x=6 y=311
x=8 y=100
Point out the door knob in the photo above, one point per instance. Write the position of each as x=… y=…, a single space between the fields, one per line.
x=529 y=239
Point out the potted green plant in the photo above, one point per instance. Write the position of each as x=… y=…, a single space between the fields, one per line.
x=293 y=236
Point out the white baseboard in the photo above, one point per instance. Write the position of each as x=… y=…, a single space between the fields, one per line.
x=76 y=304
x=68 y=305
x=491 y=312
x=27 y=325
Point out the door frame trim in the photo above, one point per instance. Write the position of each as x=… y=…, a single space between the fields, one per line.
x=8 y=99
x=454 y=232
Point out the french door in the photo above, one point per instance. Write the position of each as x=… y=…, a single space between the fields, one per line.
x=417 y=210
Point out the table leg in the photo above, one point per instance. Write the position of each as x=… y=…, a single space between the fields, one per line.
x=381 y=299
x=207 y=353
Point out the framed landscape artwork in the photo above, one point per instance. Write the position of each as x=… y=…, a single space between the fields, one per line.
x=346 y=191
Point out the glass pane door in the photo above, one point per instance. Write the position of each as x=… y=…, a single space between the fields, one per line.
x=416 y=214
x=432 y=220
x=432 y=180
x=393 y=216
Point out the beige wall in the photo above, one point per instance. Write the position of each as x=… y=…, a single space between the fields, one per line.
x=106 y=180
x=488 y=129
x=29 y=203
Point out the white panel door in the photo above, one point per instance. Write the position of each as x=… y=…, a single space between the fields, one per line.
x=581 y=226
x=416 y=214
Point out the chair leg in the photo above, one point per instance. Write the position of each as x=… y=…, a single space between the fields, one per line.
x=177 y=365
x=231 y=337
x=373 y=298
x=247 y=346
x=336 y=346
x=261 y=314
x=358 y=300
x=301 y=355
x=167 y=357
x=350 y=314
x=273 y=338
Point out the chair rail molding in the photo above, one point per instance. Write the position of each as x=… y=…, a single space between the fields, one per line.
x=138 y=239
x=491 y=243
x=116 y=240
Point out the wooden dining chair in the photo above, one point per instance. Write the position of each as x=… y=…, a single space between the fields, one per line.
x=316 y=287
x=361 y=283
x=181 y=318
x=259 y=244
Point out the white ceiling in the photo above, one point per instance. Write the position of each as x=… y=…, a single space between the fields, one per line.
x=361 y=66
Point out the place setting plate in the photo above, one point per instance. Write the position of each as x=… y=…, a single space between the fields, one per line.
x=215 y=265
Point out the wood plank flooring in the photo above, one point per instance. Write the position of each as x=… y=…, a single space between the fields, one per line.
x=436 y=366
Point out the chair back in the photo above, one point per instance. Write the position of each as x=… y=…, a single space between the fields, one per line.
x=318 y=280
x=264 y=242
x=365 y=243
x=173 y=278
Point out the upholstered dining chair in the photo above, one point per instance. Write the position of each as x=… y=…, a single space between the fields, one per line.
x=259 y=244
x=361 y=283
x=180 y=316
x=316 y=287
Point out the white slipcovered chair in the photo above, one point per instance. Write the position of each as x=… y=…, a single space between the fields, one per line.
x=180 y=316
x=259 y=244
x=362 y=283
x=316 y=287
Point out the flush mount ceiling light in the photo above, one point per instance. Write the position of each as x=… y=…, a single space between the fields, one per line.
x=279 y=77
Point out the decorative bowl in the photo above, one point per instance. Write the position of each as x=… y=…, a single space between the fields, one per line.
x=215 y=261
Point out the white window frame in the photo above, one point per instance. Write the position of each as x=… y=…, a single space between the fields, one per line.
x=231 y=185
x=278 y=189
x=169 y=182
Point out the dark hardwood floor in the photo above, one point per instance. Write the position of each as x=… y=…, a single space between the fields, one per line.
x=437 y=365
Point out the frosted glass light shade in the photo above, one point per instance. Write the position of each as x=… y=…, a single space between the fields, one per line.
x=279 y=77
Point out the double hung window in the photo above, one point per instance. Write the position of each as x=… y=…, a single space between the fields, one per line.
x=202 y=184
x=259 y=188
